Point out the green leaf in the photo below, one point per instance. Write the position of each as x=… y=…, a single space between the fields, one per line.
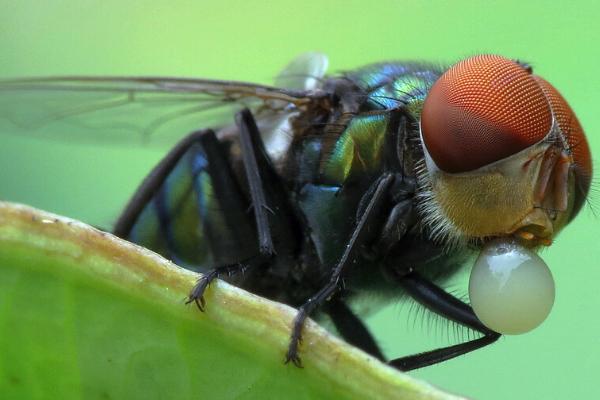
x=86 y=315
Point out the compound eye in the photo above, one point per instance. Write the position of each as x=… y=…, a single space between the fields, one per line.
x=481 y=110
x=578 y=144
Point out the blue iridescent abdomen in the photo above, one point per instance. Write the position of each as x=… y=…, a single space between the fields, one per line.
x=195 y=219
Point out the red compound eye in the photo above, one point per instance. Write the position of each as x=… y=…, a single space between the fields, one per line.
x=578 y=144
x=481 y=110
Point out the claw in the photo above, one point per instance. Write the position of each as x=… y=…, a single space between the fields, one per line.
x=292 y=353
x=294 y=358
x=197 y=293
x=199 y=301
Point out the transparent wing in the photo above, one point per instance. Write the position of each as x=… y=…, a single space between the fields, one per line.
x=150 y=110
x=305 y=72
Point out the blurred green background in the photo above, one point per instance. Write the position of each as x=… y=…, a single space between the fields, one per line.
x=252 y=41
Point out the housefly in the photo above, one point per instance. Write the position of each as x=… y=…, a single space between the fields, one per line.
x=321 y=189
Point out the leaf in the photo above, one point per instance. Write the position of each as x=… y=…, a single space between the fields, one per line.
x=84 y=314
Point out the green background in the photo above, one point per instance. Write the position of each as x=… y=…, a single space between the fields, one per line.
x=252 y=41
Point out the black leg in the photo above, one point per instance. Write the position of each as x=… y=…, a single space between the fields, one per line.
x=371 y=210
x=197 y=293
x=352 y=328
x=153 y=182
x=400 y=218
x=448 y=306
x=250 y=143
x=264 y=193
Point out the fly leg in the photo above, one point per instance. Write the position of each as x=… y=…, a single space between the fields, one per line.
x=346 y=322
x=352 y=329
x=253 y=155
x=371 y=211
x=267 y=195
x=448 y=306
x=197 y=293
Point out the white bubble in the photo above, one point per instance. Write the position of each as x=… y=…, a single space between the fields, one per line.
x=511 y=288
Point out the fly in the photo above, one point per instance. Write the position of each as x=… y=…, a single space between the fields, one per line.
x=385 y=179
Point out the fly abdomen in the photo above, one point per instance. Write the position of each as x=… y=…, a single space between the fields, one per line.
x=197 y=217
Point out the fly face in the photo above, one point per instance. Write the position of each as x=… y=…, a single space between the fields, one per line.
x=505 y=154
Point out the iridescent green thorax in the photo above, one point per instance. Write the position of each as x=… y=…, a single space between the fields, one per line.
x=358 y=151
x=392 y=85
x=336 y=166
